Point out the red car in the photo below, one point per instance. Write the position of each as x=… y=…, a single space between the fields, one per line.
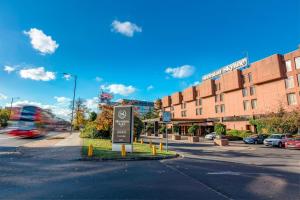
x=293 y=143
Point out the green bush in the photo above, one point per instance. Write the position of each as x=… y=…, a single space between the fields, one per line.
x=192 y=130
x=162 y=129
x=176 y=128
x=238 y=134
x=90 y=131
x=220 y=129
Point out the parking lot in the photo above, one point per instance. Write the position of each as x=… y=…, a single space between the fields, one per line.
x=239 y=152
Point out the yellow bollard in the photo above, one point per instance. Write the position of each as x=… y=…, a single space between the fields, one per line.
x=90 y=151
x=142 y=141
x=135 y=139
x=160 y=146
x=150 y=144
x=153 y=150
x=123 y=152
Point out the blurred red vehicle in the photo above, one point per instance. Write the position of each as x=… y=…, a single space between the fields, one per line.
x=293 y=143
x=28 y=121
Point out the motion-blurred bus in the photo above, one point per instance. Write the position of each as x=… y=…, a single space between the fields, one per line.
x=28 y=121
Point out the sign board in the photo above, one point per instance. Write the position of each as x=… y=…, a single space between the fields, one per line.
x=236 y=65
x=166 y=116
x=122 y=128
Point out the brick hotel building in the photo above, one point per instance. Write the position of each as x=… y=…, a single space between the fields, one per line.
x=236 y=96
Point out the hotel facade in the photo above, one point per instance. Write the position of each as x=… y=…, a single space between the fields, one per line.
x=233 y=95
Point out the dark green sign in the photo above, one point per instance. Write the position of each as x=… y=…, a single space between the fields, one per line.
x=123 y=124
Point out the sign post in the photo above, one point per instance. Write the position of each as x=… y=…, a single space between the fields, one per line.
x=166 y=120
x=122 y=133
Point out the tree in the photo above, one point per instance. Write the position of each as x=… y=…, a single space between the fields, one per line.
x=138 y=126
x=80 y=111
x=105 y=118
x=220 y=129
x=193 y=129
x=4 y=117
x=92 y=116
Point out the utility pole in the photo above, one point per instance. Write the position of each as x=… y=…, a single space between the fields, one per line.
x=73 y=103
x=67 y=76
x=11 y=103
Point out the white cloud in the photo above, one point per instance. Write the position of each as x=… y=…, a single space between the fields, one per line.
x=98 y=79
x=37 y=74
x=150 y=87
x=119 y=89
x=125 y=28
x=62 y=100
x=9 y=69
x=41 y=42
x=92 y=104
x=196 y=83
x=2 y=96
x=180 y=72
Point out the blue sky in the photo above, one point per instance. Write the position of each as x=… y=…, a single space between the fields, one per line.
x=131 y=45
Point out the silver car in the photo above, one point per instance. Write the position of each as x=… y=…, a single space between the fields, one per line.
x=276 y=140
x=210 y=136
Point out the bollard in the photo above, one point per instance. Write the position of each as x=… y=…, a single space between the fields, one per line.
x=135 y=139
x=153 y=150
x=90 y=151
x=150 y=144
x=160 y=146
x=123 y=152
x=142 y=141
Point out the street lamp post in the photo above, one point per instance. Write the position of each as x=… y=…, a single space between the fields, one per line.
x=73 y=101
x=11 y=103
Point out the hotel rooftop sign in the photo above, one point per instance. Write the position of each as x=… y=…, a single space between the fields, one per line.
x=236 y=65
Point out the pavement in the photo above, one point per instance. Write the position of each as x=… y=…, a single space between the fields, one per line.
x=204 y=172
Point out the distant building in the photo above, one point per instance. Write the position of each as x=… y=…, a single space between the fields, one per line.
x=238 y=92
x=141 y=107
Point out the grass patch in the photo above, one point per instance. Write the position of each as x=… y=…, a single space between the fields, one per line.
x=102 y=149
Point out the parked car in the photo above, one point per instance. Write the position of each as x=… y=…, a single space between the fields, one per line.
x=255 y=139
x=293 y=143
x=276 y=140
x=211 y=136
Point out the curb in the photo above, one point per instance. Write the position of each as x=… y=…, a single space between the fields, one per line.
x=85 y=158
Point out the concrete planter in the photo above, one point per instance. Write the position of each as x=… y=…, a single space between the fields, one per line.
x=176 y=137
x=148 y=134
x=221 y=142
x=193 y=139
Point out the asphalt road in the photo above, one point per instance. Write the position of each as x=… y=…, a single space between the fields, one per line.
x=9 y=143
x=27 y=176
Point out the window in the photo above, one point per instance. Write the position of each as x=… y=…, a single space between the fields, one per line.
x=221 y=97
x=254 y=103
x=216 y=98
x=245 y=92
x=198 y=111
x=250 y=78
x=183 y=113
x=173 y=115
x=298 y=79
x=297 y=61
x=291 y=99
x=252 y=90
x=172 y=108
x=222 y=108
x=244 y=78
x=288 y=65
x=246 y=105
x=198 y=102
x=289 y=82
x=217 y=109
x=183 y=105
